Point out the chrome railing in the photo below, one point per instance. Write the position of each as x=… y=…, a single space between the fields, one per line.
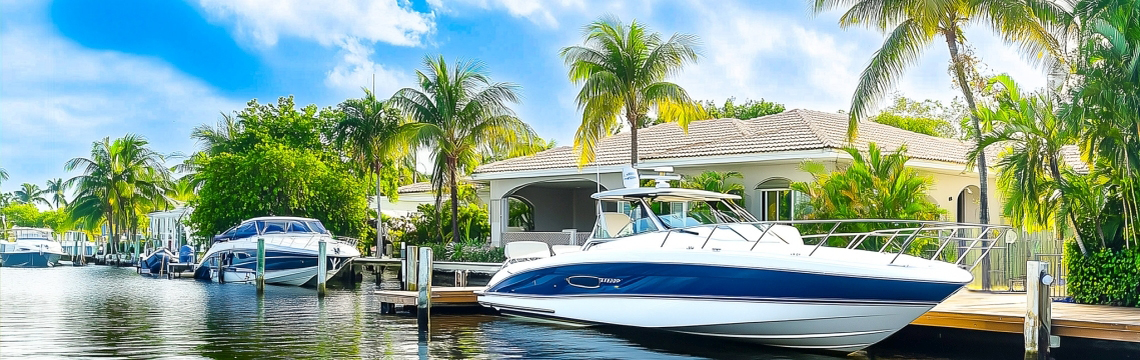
x=981 y=237
x=346 y=240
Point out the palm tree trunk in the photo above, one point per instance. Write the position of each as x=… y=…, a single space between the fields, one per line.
x=379 y=218
x=951 y=35
x=631 y=118
x=451 y=164
x=1055 y=171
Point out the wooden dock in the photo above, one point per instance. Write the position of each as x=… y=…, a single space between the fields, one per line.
x=1006 y=313
x=964 y=310
x=474 y=267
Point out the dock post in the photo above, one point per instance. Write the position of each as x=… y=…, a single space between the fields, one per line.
x=460 y=278
x=410 y=266
x=260 y=265
x=1038 y=308
x=423 y=301
x=321 y=267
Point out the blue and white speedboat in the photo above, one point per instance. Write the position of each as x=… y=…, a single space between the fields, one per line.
x=154 y=263
x=690 y=261
x=34 y=247
x=291 y=245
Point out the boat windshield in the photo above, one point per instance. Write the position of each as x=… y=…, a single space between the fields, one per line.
x=681 y=214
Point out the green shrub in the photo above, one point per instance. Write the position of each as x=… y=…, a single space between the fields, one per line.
x=1104 y=277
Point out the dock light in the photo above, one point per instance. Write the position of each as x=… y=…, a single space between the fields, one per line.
x=1046 y=279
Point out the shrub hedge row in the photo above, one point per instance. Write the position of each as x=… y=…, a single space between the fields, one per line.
x=1104 y=277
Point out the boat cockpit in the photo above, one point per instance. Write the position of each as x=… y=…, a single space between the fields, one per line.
x=273 y=225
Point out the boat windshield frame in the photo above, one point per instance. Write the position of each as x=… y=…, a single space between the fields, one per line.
x=260 y=228
x=722 y=210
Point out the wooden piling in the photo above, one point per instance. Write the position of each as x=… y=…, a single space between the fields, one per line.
x=410 y=267
x=423 y=302
x=260 y=265
x=321 y=267
x=1038 y=309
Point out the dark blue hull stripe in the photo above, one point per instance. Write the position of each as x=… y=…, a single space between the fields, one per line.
x=690 y=280
x=274 y=261
x=27 y=259
x=729 y=298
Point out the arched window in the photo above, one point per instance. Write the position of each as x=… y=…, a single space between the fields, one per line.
x=777 y=201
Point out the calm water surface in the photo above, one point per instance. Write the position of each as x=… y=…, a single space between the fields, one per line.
x=99 y=311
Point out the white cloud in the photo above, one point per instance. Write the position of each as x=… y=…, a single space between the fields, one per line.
x=57 y=97
x=327 y=22
x=354 y=27
x=358 y=70
x=541 y=12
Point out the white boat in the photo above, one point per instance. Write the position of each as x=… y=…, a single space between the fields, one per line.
x=34 y=247
x=689 y=261
x=291 y=246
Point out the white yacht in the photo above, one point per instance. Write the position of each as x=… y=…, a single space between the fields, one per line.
x=691 y=261
x=291 y=246
x=34 y=247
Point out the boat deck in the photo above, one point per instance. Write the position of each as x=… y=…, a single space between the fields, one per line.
x=968 y=310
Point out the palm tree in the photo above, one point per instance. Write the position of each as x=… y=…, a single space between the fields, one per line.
x=456 y=111
x=31 y=194
x=3 y=175
x=121 y=179
x=622 y=70
x=57 y=188
x=216 y=138
x=369 y=131
x=1033 y=136
x=715 y=181
x=913 y=25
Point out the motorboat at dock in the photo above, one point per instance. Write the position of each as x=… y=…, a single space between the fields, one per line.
x=291 y=246
x=34 y=247
x=692 y=261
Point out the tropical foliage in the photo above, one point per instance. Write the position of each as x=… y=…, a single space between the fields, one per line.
x=875 y=185
x=31 y=194
x=56 y=190
x=622 y=70
x=457 y=111
x=928 y=117
x=911 y=26
x=749 y=109
x=368 y=131
x=725 y=182
x=120 y=182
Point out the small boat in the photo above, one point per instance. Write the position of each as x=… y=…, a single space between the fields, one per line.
x=693 y=262
x=291 y=246
x=154 y=263
x=34 y=247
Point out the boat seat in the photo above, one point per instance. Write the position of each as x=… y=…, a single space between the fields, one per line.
x=615 y=222
x=527 y=250
x=562 y=249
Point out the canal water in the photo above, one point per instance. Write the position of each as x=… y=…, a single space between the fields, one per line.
x=108 y=312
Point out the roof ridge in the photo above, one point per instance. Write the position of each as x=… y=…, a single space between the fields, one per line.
x=814 y=128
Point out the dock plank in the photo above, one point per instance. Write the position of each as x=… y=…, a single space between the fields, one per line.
x=1006 y=313
x=439 y=296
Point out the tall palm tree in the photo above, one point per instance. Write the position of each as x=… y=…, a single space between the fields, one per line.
x=57 y=189
x=216 y=138
x=456 y=111
x=3 y=175
x=369 y=132
x=121 y=179
x=1033 y=136
x=31 y=194
x=913 y=25
x=622 y=70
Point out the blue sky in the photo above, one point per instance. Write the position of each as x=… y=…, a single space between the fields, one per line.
x=73 y=72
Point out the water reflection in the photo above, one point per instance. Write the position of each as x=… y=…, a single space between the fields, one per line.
x=97 y=311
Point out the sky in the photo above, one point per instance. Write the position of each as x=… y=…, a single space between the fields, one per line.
x=73 y=72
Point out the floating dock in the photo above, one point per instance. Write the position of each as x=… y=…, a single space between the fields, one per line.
x=440 y=297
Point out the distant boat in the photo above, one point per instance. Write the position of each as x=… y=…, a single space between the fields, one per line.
x=290 y=251
x=33 y=247
x=153 y=263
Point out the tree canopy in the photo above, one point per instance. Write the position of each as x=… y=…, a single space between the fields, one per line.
x=749 y=109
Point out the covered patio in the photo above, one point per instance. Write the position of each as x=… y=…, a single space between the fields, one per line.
x=556 y=211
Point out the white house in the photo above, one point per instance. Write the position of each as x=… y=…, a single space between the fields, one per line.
x=168 y=228
x=767 y=150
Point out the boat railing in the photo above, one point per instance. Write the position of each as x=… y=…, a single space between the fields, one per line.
x=904 y=236
x=346 y=240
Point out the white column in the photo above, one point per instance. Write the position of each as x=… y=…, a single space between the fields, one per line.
x=495 y=210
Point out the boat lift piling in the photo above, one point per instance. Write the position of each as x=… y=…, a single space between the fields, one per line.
x=260 y=266
x=423 y=303
x=409 y=266
x=322 y=267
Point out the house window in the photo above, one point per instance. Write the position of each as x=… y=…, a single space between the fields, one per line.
x=776 y=201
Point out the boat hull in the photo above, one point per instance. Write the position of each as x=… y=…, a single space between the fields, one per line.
x=281 y=267
x=782 y=305
x=32 y=259
x=153 y=264
x=830 y=326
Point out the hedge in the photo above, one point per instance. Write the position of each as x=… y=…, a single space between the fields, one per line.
x=1104 y=277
